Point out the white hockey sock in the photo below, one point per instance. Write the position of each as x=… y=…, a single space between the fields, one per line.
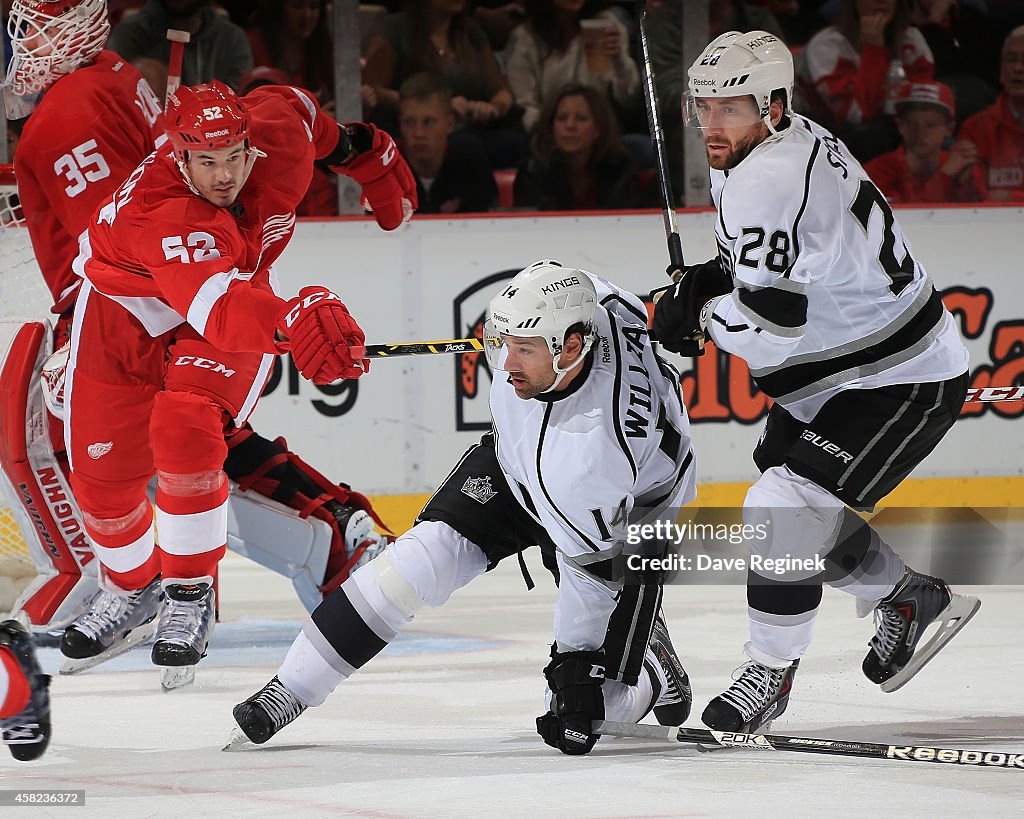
x=307 y=674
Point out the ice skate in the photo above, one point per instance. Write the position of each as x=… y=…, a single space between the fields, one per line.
x=759 y=695
x=264 y=714
x=184 y=632
x=27 y=733
x=900 y=622
x=673 y=706
x=362 y=543
x=115 y=622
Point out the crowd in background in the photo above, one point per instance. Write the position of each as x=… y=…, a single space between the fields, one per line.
x=537 y=104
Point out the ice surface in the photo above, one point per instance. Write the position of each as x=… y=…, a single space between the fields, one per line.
x=441 y=724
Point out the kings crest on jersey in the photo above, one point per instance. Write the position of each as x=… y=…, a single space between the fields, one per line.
x=586 y=460
x=825 y=299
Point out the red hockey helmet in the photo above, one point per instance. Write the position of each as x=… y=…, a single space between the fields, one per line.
x=205 y=118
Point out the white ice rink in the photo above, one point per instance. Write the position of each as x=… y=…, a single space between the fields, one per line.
x=441 y=724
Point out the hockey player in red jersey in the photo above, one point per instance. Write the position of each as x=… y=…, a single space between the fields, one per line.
x=24 y=695
x=178 y=321
x=93 y=120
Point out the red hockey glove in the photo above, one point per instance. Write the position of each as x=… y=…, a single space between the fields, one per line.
x=382 y=172
x=318 y=331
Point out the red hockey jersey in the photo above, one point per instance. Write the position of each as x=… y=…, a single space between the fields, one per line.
x=91 y=128
x=168 y=255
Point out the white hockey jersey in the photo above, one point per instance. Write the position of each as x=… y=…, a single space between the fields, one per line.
x=828 y=294
x=618 y=439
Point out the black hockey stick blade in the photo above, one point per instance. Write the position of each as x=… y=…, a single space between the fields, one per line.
x=813 y=745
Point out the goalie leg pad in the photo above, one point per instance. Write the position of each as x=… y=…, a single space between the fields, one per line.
x=275 y=536
x=35 y=486
x=269 y=469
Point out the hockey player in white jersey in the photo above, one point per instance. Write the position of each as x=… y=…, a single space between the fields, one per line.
x=589 y=435
x=815 y=287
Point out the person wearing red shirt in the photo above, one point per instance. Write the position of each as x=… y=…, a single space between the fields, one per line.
x=178 y=322
x=919 y=170
x=998 y=131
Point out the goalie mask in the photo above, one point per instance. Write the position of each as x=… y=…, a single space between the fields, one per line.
x=543 y=301
x=50 y=38
x=735 y=65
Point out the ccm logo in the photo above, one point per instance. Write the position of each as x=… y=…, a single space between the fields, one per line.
x=203 y=364
x=306 y=303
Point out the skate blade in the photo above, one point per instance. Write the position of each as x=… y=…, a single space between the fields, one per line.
x=178 y=676
x=137 y=636
x=951 y=619
x=238 y=740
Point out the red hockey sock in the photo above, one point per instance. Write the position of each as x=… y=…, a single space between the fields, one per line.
x=18 y=688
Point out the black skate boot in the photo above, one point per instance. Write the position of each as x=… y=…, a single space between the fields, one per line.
x=266 y=712
x=900 y=622
x=27 y=733
x=115 y=622
x=759 y=695
x=186 y=624
x=673 y=706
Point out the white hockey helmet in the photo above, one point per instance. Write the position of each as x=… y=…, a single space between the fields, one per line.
x=735 y=64
x=51 y=38
x=542 y=301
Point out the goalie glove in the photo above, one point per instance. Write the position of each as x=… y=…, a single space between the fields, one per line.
x=681 y=311
x=389 y=187
x=575 y=679
x=318 y=331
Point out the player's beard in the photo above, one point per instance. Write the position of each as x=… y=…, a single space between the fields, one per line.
x=531 y=388
x=739 y=149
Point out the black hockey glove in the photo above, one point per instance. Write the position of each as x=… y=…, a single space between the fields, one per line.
x=575 y=679
x=677 y=322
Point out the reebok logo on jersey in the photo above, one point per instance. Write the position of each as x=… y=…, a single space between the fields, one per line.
x=826 y=445
x=98 y=450
x=479 y=489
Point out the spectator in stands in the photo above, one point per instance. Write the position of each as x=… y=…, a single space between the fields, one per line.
x=577 y=161
x=843 y=71
x=293 y=36
x=919 y=170
x=965 y=44
x=498 y=18
x=998 y=131
x=552 y=49
x=450 y=177
x=218 y=50
x=439 y=36
x=321 y=198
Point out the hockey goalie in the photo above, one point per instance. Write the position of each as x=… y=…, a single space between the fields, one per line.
x=91 y=122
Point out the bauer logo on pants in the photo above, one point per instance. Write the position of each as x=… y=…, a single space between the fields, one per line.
x=479 y=489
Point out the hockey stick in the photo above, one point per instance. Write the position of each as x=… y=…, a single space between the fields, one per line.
x=178 y=40
x=475 y=345
x=668 y=210
x=991 y=394
x=808 y=745
x=454 y=345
